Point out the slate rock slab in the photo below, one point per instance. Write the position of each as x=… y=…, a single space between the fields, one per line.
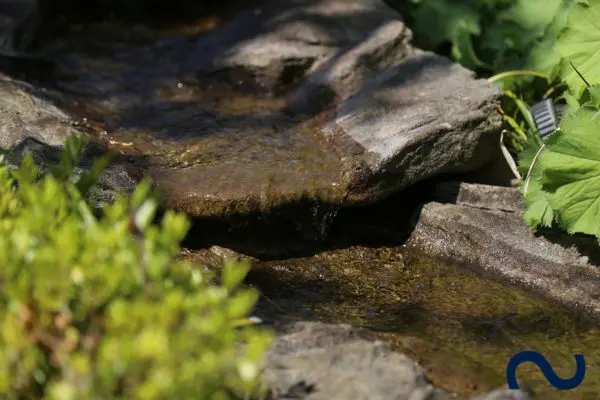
x=315 y=361
x=487 y=197
x=420 y=118
x=335 y=43
x=560 y=267
x=26 y=112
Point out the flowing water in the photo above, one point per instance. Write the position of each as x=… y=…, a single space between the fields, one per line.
x=462 y=327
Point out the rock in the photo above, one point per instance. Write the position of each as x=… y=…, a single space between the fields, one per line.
x=480 y=196
x=26 y=113
x=336 y=43
x=423 y=117
x=219 y=150
x=315 y=361
x=31 y=123
x=23 y=26
x=507 y=394
x=496 y=172
x=419 y=118
x=560 y=267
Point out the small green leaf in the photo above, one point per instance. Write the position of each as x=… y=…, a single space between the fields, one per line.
x=538 y=209
x=27 y=171
x=144 y=215
x=234 y=273
x=241 y=303
x=141 y=193
x=594 y=92
x=89 y=178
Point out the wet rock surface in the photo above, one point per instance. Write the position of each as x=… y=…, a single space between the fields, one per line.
x=198 y=111
x=478 y=232
x=460 y=326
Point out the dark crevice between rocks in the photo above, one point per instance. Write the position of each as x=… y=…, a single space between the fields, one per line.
x=29 y=68
x=587 y=245
x=301 y=229
x=304 y=228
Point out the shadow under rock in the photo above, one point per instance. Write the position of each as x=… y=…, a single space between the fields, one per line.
x=586 y=245
x=303 y=229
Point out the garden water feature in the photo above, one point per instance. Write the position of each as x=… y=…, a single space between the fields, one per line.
x=263 y=179
x=461 y=324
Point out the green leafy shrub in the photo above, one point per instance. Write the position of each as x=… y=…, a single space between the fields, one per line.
x=562 y=182
x=492 y=35
x=97 y=307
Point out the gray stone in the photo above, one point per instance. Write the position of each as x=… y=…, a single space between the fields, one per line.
x=416 y=115
x=480 y=196
x=216 y=150
x=507 y=394
x=423 y=117
x=26 y=113
x=336 y=43
x=558 y=266
x=314 y=361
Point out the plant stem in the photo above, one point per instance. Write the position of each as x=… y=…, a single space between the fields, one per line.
x=507 y=74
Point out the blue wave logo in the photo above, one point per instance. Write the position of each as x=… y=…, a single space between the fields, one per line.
x=546 y=368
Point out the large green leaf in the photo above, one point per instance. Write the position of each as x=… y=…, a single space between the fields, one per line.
x=571 y=172
x=537 y=209
x=579 y=45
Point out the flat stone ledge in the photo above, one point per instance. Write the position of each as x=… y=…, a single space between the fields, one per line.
x=480 y=196
x=559 y=267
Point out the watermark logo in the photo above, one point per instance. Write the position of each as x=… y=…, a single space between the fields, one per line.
x=546 y=368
